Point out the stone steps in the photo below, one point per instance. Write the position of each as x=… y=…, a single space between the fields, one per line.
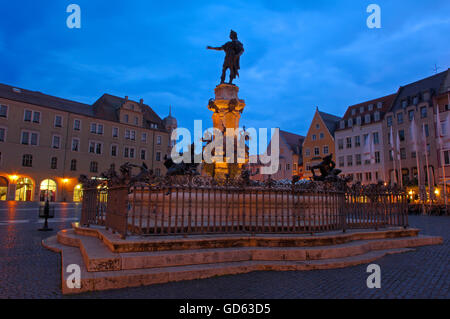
x=108 y=262
x=97 y=257
x=98 y=281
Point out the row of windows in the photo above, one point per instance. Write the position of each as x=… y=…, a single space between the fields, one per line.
x=411 y=116
x=368 y=177
x=358 y=160
x=27 y=161
x=357 y=141
x=326 y=151
x=358 y=120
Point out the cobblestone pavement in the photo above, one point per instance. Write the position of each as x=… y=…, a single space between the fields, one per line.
x=27 y=270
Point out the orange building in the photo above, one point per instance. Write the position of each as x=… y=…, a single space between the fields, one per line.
x=319 y=141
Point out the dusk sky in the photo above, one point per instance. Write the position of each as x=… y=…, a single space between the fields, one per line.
x=298 y=54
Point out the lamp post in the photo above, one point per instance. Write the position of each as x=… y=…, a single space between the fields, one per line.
x=65 y=181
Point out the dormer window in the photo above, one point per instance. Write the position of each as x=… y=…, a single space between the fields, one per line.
x=361 y=109
x=377 y=116
x=350 y=123
x=371 y=107
x=404 y=103
x=416 y=100
x=426 y=96
x=358 y=120
x=342 y=125
x=126 y=118
x=367 y=119
x=379 y=105
x=353 y=112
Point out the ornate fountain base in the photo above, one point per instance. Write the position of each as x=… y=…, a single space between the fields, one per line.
x=227 y=108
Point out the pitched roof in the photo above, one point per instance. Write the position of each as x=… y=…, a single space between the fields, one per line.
x=38 y=98
x=294 y=141
x=432 y=84
x=106 y=107
x=331 y=121
x=354 y=111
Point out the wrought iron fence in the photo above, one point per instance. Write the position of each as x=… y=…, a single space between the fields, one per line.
x=202 y=206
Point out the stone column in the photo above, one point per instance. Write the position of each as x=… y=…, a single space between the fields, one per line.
x=227 y=108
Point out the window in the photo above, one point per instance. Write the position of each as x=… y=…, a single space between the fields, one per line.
x=158 y=140
x=3 y=111
x=423 y=112
x=402 y=153
x=318 y=126
x=411 y=115
x=136 y=121
x=114 y=149
x=294 y=166
x=158 y=172
x=93 y=128
x=37 y=117
x=350 y=160
x=27 y=116
x=353 y=112
x=359 y=177
x=326 y=150
x=391 y=155
x=2 y=134
x=413 y=154
x=447 y=157
x=349 y=142
x=404 y=104
x=401 y=135
x=376 y=138
x=342 y=124
x=307 y=152
x=143 y=155
x=350 y=123
x=93 y=167
x=129 y=152
x=58 y=121
x=95 y=147
x=340 y=144
x=321 y=136
x=96 y=128
x=379 y=105
x=358 y=120
x=427 y=131
x=377 y=116
x=133 y=135
x=144 y=137
x=115 y=132
x=365 y=139
x=416 y=100
x=377 y=158
x=358 y=159
x=27 y=160
x=370 y=107
x=126 y=118
x=341 y=161
x=73 y=165
x=76 y=125
x=389 y=121
x=316 y=151
x=368 y=176
x=367 y=119
x=361 y=109
x=75 y=144
x=400 y=118
x=288 y=167
x=357 y=141
x=54 y=163
x=30 y=138
x=100 y=129
x=314 y=137
x=56 y=141
x=158 y=156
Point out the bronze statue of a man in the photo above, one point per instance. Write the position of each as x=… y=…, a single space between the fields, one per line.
x=233 y=51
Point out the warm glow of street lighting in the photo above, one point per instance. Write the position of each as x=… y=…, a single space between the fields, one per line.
x=13 y=177
x=65 y=180
x=437 y=192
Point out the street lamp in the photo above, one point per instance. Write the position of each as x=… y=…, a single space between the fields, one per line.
x=65 y=181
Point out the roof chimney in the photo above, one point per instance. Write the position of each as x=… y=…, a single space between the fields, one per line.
x=126 y=98
x=141 y=101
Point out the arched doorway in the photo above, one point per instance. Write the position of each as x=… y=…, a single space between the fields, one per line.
x=47 y=190
x=78 y=193
x=24 y=189
x=3 y=188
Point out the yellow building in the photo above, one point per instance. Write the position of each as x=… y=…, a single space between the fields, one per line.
x=319 y=141
x=47 y=142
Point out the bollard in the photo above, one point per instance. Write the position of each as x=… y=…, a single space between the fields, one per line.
x=46 y=216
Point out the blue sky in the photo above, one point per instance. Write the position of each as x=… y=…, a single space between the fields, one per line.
x=299 y=54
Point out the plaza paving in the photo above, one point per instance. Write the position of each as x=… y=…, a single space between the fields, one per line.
x=27 y=270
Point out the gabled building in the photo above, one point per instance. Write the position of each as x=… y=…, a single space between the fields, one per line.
x=360 y=146
x=47 y=142
x=319 y=141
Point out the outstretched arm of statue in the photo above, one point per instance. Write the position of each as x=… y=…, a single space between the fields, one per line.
x=214 y=48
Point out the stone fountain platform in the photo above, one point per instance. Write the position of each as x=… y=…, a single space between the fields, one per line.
x=108 y=262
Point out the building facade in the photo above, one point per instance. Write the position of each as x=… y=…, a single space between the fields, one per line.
x=410 y=131
x=319 y=141
x=46 y=142
x=360 y=146
x=290 y=159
